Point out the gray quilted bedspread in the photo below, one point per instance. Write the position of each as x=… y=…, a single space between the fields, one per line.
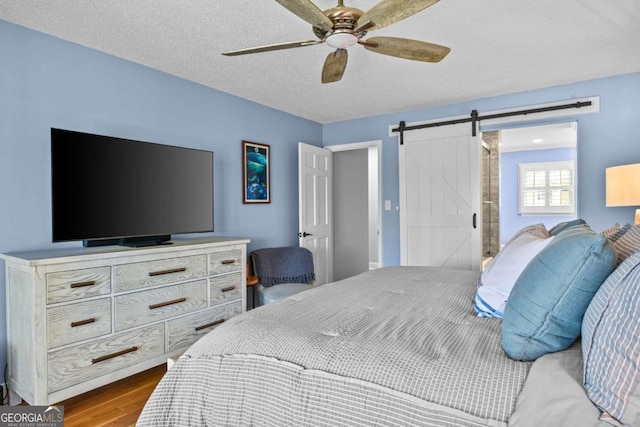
x=398 y=346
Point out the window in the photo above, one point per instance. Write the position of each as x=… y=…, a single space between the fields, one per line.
x=547 y=188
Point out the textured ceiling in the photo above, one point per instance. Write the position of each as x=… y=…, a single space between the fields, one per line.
x=497 y=47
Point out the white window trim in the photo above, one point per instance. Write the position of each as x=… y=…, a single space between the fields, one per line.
x=546 y=209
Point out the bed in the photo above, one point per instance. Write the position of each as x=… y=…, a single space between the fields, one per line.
x=360 y=352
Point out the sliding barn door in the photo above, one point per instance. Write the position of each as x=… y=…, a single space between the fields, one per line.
x=440 y=198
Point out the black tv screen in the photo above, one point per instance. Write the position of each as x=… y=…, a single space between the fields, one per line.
x=106 y=189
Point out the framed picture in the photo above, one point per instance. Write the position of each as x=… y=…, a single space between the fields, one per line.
x=255 y=173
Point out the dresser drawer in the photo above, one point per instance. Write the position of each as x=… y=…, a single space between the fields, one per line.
x=83 y=362
x=74 y=284
x=143 y=307
x=76 y=322
x=157 y=272
x=225 y=288
x=224 y=262
x=186 y=330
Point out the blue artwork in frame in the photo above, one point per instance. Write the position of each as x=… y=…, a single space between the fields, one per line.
x=255 y=173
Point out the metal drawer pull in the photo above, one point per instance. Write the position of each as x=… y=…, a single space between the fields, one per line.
x=112 y=355
x=228 y=288
x=83 y=322
x=228 y=261
x=166 y=303
x=173 y=270
x=82 y=284
x=208 y=325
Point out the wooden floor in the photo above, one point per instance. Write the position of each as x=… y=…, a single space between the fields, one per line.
x=118 y=404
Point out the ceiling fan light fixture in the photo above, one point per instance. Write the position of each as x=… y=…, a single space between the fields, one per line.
x=341 y=40
x=341 y=27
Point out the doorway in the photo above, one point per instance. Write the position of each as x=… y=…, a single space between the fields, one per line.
x=356 y=208
x=529 y=176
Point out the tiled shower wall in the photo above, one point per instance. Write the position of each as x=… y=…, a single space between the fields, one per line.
x=490 y=193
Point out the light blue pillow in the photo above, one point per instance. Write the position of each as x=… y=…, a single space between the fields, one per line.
x=545 y=309
x=611 y=344
x=558 y=228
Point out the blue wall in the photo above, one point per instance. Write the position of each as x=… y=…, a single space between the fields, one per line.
x=610 y=137
x=510 y=220
x=47 y=82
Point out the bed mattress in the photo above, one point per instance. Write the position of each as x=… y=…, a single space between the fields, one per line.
x=398 y=346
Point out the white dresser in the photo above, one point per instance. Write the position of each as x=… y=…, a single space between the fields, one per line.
x=80 y=318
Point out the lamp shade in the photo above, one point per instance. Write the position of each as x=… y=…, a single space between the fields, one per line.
x=623 y=185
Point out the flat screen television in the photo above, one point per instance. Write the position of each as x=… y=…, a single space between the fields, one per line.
x=108 y=190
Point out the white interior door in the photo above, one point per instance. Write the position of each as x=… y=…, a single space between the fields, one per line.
x=440 y=198
x=315 y=208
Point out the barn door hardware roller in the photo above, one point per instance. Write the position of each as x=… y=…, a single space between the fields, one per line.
x=474 y=118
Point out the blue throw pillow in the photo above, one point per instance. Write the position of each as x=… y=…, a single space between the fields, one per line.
x=611 y=344
x=545 y=309
x=558 y=228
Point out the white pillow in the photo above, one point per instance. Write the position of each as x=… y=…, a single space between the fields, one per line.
x=496 y=282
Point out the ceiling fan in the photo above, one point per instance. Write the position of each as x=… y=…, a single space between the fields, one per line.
x=342 y=26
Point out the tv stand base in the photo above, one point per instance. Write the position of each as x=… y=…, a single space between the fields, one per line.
x=139 y=242
x=133 y=242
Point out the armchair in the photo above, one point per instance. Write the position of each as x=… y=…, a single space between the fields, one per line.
x=282 y=272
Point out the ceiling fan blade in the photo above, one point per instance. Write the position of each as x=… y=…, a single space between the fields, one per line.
x=334 y=66
x=269 y=47
x=406 y=48
x=309 y=12
x=388 y=12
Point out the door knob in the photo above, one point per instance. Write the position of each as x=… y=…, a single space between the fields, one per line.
x=304 y=234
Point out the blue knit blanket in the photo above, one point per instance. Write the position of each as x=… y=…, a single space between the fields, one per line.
x=283 y=265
